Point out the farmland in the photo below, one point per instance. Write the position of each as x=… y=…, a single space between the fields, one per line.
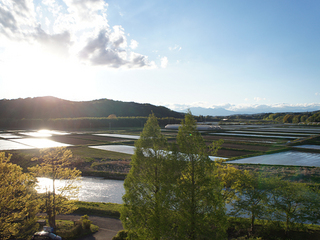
x=240 y=143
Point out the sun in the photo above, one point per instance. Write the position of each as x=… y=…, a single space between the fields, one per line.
x=32 y=71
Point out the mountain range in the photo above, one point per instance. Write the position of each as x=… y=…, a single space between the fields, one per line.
x=284 y=108
x=52 y=107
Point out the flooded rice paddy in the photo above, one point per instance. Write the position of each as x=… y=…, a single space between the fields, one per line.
x=275 y=133
x=40 y=142
x=130 y=150
x=315 y=147
x=117 y=135
x=288 y=158
x=116 y=148
x=9 y=145
x=253 y=135
x=19 y=139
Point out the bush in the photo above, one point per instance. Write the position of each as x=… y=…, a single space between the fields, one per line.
x=86 y=223
x=80 y=228
x=121 y=235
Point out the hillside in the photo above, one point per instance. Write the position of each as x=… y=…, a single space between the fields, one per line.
x=51 y=107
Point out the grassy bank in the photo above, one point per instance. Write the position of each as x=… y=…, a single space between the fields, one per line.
x=98 y=209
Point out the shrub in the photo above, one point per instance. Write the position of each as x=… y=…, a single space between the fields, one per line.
x=121 y=235
x=86 y=223
x=80 y=228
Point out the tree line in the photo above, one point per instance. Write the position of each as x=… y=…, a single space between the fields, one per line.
x=294 y=117
x=174 y=191
x=110 y=122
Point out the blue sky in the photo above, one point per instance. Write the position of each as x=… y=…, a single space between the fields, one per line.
x=232 y=54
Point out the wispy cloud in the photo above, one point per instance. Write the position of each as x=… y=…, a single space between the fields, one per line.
x=175 y=48
x=77 y=29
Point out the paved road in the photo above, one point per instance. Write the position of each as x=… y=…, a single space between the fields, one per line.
x=108 y=227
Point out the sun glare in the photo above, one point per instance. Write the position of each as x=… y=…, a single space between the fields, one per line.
x=32 y=71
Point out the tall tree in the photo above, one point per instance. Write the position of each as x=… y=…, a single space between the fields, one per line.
x=287 y=201
x=252 y=198
x=200 y=207
x=18 y=204
x=311 y=207
x=55 y=164
x=147 y=207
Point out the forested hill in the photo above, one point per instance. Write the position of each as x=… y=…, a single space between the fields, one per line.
x=51 y=107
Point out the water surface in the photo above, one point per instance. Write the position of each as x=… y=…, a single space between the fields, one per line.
x=92 y=189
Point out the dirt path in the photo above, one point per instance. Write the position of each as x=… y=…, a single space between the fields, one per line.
x=108 y=227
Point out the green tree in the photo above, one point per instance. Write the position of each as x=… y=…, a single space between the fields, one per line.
x=311 y=206
x=303 y=118
x=288 y=118
x=252 y=198
x=55 y=163
x=296 y=119
x=287 y=201
x=147 y=207
x=18 y=203
x=200 y=208
x=230 y=177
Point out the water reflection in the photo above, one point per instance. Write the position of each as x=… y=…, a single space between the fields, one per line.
x=118 y=135
x=91 y=190
x=9 y=145
x=8 y=135
x=116 y=148
x=41 y=143
x=43 y=133
x=252 y=135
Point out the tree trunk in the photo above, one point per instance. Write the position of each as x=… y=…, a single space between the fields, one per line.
x=54 y=207
x=193 y=223
x=252 y=222
x=49 y=210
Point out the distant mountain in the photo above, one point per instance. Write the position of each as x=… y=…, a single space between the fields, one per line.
x=256 y=109
x=210 y=111
x=51 y=107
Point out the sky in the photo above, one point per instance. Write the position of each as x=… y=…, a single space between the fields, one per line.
x=179 y=54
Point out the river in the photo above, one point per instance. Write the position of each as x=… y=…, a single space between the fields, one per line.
x=92 y=189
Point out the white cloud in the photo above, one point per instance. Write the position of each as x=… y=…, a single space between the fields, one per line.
x=133 y=44
x=78 y=30
x=316 y=93
x=248 y=108
x=257 y=99
x=164 y=62
x=47 y=22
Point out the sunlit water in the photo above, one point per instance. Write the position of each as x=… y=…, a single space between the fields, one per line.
x=288 y=158
x=91 y=190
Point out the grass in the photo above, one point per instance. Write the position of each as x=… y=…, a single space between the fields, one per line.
x=86 y=152
x=98 y=209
